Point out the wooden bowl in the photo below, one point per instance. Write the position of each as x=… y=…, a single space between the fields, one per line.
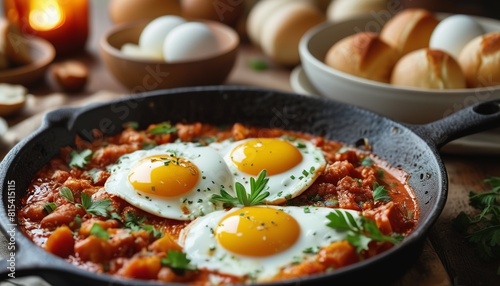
x=42 y=53
x=140 y=75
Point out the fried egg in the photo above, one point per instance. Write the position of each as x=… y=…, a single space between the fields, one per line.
x=291 y=165
x=172 y=180
x=258 y=241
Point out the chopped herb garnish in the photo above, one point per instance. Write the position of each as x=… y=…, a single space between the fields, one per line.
x=131 y=124
x=367 y=161
x=177 y=261
x=66 y=193
x=258 y=64
x=311 y=250
x=98 y=208
x=380 y=193
x=256 y=197
x=482 y=229
x=360 y=232
x=99 y=231
x=163 y=128
x=49 y=207
x=81 y=159
x=307 y=210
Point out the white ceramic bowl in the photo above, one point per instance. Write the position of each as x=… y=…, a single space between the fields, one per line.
x=411 y=105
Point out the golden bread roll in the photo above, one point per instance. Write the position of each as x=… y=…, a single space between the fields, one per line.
x=409 y=30
x=365 y=55
x=13 y=44
x=480 y=60
x=428 y=68
x=340 y=10
x=283 y=31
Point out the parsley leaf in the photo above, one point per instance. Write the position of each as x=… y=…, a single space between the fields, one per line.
x=359 y=232
x=136 y=223
x=177 y=261
x=81 y=159
x=66 y=193
x=163 y=128
x=256 y=196
x=99 y=231
x=49 y=207
x=98 y=208
x=380 y=193
x=483 y=228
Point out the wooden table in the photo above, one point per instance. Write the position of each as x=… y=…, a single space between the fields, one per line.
x=446 y=260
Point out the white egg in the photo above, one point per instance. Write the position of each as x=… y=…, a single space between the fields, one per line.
x=454 y=32
x=258 y=241
x=154 y=33
x=190 y=41
x=172 y=180
x=133 y=50
x=291 y=165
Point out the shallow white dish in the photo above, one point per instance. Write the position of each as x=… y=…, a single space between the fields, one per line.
x=481 y=143
x=410 y=105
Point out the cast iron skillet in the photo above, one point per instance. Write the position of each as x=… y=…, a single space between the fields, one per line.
x=414 y=148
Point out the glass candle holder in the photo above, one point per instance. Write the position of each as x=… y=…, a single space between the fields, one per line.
x=64 y=23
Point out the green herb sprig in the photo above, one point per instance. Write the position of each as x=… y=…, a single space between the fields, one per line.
x=163 y=128
x=483 y=229
x=178 y=261
x=256 y=196
x=380 y=193
x=98 y=207
x=80 y=159
x=360 y=232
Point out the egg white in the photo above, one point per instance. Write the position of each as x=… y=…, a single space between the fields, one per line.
x=214 y=176
x=286 y=185
x=200 y=244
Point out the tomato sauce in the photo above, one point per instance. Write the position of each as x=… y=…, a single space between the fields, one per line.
x=126 y=248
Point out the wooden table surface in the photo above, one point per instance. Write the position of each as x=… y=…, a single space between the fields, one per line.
x=446 y=260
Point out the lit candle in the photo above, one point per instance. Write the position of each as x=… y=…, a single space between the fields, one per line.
x=64 y=23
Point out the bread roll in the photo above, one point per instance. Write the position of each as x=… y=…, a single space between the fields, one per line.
x=365 y=55
x=409 y=30
x=283 y=31
x=13 y=44
x=340 y=10
x=480 y=60
x=428 y=68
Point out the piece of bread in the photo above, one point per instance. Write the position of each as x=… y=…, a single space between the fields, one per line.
x=340 y=10
x=428 y=68
x=480 y=60
x=13 y=44
x=365 y=55
x=12 y=98
x=409 y=30
x=282 y=33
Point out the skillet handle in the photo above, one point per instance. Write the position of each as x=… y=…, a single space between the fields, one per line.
x=470 y=120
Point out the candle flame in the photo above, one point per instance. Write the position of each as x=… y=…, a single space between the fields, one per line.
x=45 y=15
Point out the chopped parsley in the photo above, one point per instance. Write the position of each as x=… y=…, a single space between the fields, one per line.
x=256 y=197
x=49 y=207
x=98 y=208
x=359 y=232
x=66 y=193
x=99 y=231
x=163 y=128
x=177 y=261
x=380 y=193
x=482 y=229
x=80 y=160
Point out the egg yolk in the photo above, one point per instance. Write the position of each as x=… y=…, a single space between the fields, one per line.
x=164 y=176
x=273 y=155
x=257 y=231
